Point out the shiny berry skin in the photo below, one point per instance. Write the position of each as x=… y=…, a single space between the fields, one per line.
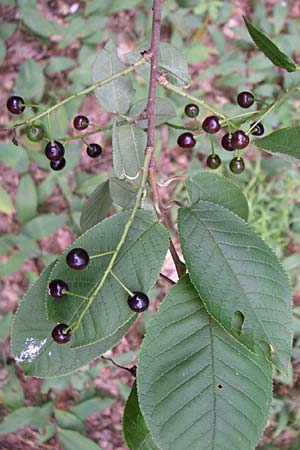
x=54 y=151
x=186 y=140
x=15 y=104
x=191 y=110
x=35 y=133
x=245 y=99
x=58 y=334
x=94 y=150
x=258 y=130
x=227 y=142
x=58 y=165
x=77 y=259
x=139 y=302
x=211 y=124
x=213 y=161
x=237 y=165
x=56 y=288
x=80 y=122
x=239 y=139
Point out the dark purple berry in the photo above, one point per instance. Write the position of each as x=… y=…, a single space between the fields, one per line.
x=138 y=302
x=227 y=142
x=56 y=288
x=77 y=258
x=258 y=130
x=80 y=122
x=239 y=139
x=191 y=110
x=54 y=151
x=60 y=335
x=35 y=133
x=94 y=150
x=15 y=104
x=237 y=165
x=58 y=165
x=245 y=99
x=213 y=161
x=211 y=124
x=186 y=140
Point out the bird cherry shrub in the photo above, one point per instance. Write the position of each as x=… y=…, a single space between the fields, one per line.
x=204 y=372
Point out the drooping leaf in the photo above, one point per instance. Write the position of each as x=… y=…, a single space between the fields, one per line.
x=217 y=189
x=58 y=64
x=268 y=47
x=26 y=199
x=68 y=420
x=285 y=141
x=33 y=347
x=164 y=111
x=72 y=440
x=97 y=207
x=5 y=325
x=116 y=95
x=19 y=418
x=235 y=271
x=137 y=265
x=30 y=81
x=36 y=21
x=129 y=143
x=199 y=388
x=6 y=205
x=122 y=192
x=12 y=390
x=136 y=434
x=44 y=225
x=12 y=264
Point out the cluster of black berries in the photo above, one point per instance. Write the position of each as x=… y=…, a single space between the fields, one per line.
x=78 y=259
x=237 y=140
x=54 y=150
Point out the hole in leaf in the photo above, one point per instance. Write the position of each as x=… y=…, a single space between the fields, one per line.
x=237 y=322
x=220 y=386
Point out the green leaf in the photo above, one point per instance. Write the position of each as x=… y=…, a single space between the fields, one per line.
x=71 y=440
x=164 y=111
x=13 y=156
x=30 y=80
x=199 y=388
x=36 y=21
x=5 y=325
x=268 y=47
x=6 y=205
x=129 y=143
x=27 y=246
x=66 y=419
x=45 y=225
x=12 y=390
x=217 y=189
x=19 y=418
x=85 y=409
x=12 y=265
x=116 y=95
x=46 y=187
x=97 y=207
x=235 y=271
x=122 y=192
x=137 y=265
x=136 y=433
x=58 y=64
x=26 y=199
x=33 y=347
x=285 y=141
x=2 y=50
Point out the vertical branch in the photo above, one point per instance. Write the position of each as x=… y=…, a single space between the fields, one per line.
x=154 y=53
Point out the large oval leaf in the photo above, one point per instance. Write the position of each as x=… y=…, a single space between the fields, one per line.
x=129 y=143
x=285 y=141
x=136 y=433
x=33 y=347
x=116 y=95
x=268 y=47
x=217 y=189
x=137 y=266
x=235 y=272
x=164 y=111
x=97 y=206
x=198 y=388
